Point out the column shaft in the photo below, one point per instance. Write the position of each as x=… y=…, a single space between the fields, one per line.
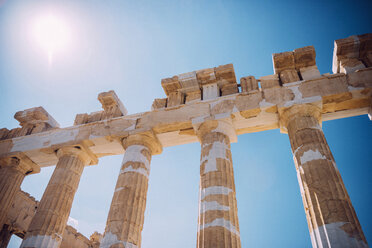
x=218 y=225
x=5 y=235
x=126 y=216
x=49 y=222
x=10 y=183
x=331 y=217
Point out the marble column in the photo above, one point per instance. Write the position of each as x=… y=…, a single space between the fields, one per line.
x=218 y=225
x=12 y=173
x=47 y=226
x=126 y=216
x=331 y=217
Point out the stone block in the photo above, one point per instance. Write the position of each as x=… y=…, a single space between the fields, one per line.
x=210 y=91
x=193 y=96
x=112 y=104
x=3 y=133
x=289 y=76
x=269 y=81
x=249 y=84
x=175 y=98
x=35 y=116
x=348 y=47
x=309 y=73
x=367 y=59
x=95 y=116
x=350 y=65
x=170 y=85
x=188 y=81
x=365 y=45
x=304 y=57
x=225 y=74
x=159 y=103
x=283 y=61
x=229 y=89
x=206 y=76
x=81 y=119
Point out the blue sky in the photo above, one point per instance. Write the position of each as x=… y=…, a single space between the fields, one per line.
x=129 y=46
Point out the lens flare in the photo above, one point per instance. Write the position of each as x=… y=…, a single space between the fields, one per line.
x=52 y=34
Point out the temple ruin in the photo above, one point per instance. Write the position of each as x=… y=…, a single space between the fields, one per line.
x=206 y=106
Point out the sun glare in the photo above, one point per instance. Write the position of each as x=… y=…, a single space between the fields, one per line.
x=51 y=33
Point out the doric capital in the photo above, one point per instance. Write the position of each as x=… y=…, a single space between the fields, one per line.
x=147 y=139
x=224 y=126
x=21 y=163
x=287 y=114
x=81 y=152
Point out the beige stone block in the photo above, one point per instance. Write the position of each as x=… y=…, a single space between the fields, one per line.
x=304 y=57
x=112 y=104
x=269 y=81
x=348 y=47
x=95 y=116
x=81 y=119
x=206 y=76
x=159 y=103
x=351 y=65
x=229 y=89
x=249 y=84
x=367 y=59
x=211 y=91
x=289 y=76
x=193 y=96
x=225 y=73
x=175 y=99
x=365 y=46
x=188 y=81
x=170 y=84
x=309 y=73
x=34 y=116
x=283 y=61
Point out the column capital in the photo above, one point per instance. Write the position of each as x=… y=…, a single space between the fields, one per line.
x=79 y=151
x=147 y=138
x=303 y=110
x=21 y=163
x=224 y=126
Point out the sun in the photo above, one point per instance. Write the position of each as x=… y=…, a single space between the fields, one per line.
x=51 y=33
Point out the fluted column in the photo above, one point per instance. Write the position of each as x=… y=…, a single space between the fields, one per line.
x=218 y=225
x=50 y=220
x=126 y=216
x=12 y=173
x=331 y=217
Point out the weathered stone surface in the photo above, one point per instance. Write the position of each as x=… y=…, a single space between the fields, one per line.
x=349 y=50
x=112 y=107
x=193 y=96
x=289 y=76
x=218 y=225
x=175 y=98
x=283 y=61
x=49 y=222
x=126 y=216
x=249 y=84
x=206 y=76
x=304 y=57
x=309 y=73
x=72 y=238
x=229 y=89
x=159 y=103
x=112 y=104
x=170 y=84
x=331 y=217
x=270 y=81
x=12 y=172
